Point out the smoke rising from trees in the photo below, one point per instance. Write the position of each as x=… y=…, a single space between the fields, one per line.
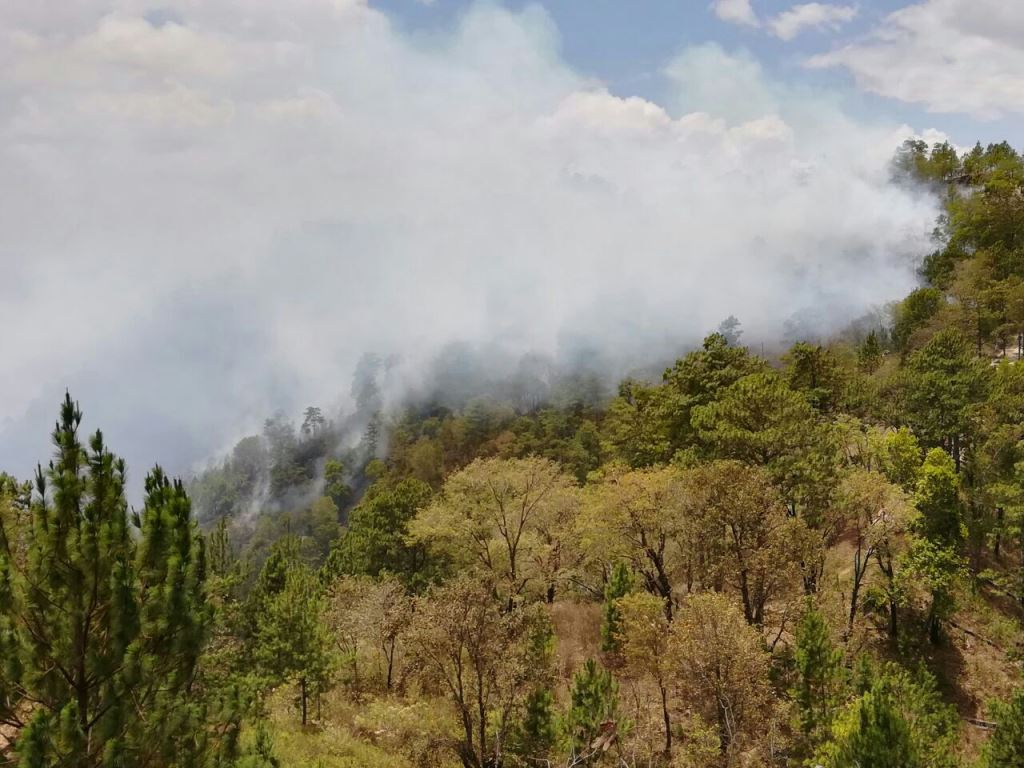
x=236 y=200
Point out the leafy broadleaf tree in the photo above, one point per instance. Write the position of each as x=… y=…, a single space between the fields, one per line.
x=899 y=458
x=876 y=513
x=637 y=426
x=722 y=669
x=505 y=517
x=740 y=535
x=637 y=516
x=104 y=617
x=487 y=661
x=938 y=499
x=644 y=637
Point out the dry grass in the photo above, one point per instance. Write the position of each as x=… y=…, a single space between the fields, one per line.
x=577 y=635
x=384 y=733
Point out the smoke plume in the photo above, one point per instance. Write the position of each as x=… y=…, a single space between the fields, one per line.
x=210 y=211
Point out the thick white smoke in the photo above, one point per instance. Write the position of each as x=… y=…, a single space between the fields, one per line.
x=210 y=210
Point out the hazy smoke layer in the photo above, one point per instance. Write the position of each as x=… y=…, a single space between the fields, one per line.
x=210 y=210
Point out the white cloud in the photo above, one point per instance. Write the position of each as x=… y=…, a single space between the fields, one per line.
x=952 y=56
x=214 y=213
x=792 y=22
x=735 y=12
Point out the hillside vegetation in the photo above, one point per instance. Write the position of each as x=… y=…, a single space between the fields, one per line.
x=815 y=560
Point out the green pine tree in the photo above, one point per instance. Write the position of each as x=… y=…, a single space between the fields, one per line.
x=1005 y=748
x=938 y=498
x=935 y=556
x=335 y=487
x=819 y=674
x=869 y=354
x=898 y=719
x=535 y=735
x=620 y=584
x=292 y=642
x=262 y=755
x=873 y=733
x=376 y=540
x=593 y=708
x=102 y=625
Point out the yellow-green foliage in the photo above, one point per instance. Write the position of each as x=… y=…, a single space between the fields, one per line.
x=377 y=734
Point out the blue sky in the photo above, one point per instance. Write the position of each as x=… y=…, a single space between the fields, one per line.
x=626 y=43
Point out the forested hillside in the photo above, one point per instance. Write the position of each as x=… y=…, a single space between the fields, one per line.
x=814 y=558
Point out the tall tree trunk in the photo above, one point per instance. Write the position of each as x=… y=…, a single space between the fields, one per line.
x=390 y=654
x=82 y=688
x=666 y=718
x=933 y=624
x=859 y=569
x=302 y=696
x=890 y=575
x=748 y=611
x=1020 y=548
x=468 y=751
x=1000 y=516
x=724 y=739
x=659 y=584
x=482 y=710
